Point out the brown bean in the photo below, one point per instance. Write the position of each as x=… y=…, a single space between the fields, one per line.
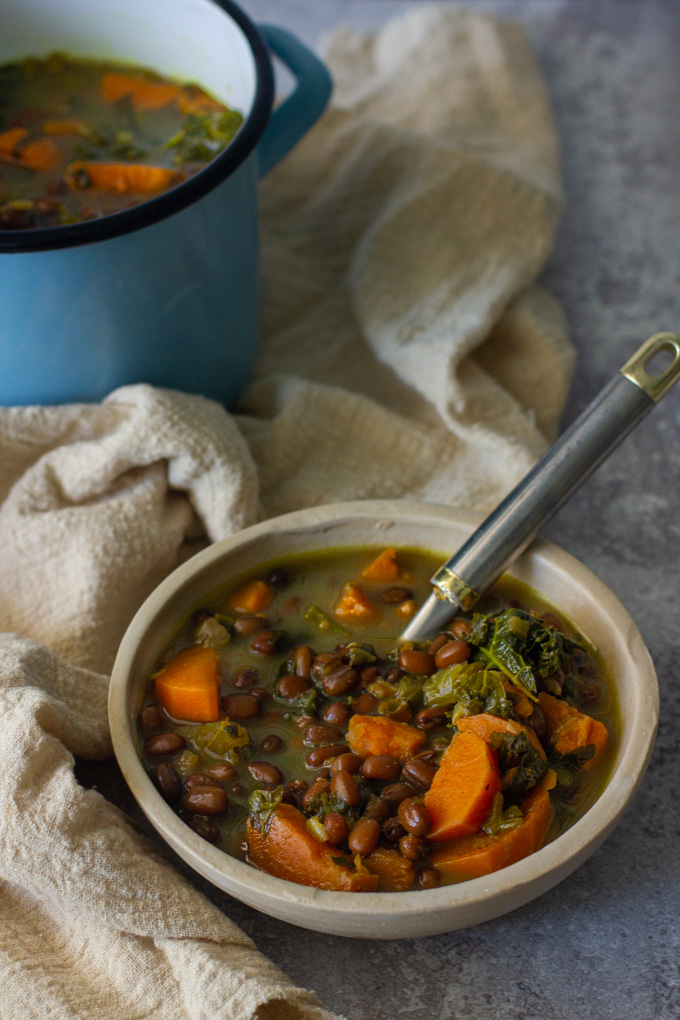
x=413 y=848
x=345 y=786
x=264 y=643
x=164 y=743
x=429 y=878
x=245 y=678
x=290 y=687
x=260 y=693
x=368 y=674
x=265 y=772
x=419 y=772
x=381 y=767
x=221 y=771
x=167 y=782
x=452 y=653
x=340 y=681
x=293 y=790
x=278 y=577
x=318 y=734
x=304 y=721
x=248 y=625
x=378 y=808
x=394 y=675
x=241 y=706
x=413 y=661
x=336 y=827
x=414 y=816
x=336 y=713
x=302 y=657
x=314 y=790
x=397 y=792
x=365 y=704
x=272 y=742
x=325 y=664
x=401 y=714
x=550 y=620
x=539 y=722
x=206 y=800
x=150 y=720
x=363 y=839
x=346 y=763
x=461 y=629
x=441 y=639
x=197 y=779
x=320 y=755
x=430 y=718
x=238 y=790
x=393 y=596
x=205 y=828
x=392 y=831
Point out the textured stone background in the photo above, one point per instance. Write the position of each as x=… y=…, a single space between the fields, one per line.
x=605 y=943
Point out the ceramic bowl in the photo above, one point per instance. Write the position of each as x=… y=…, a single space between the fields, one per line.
x=561 y=579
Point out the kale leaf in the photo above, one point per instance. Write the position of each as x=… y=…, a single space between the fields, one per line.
x=204 y=135
x=516 y=752
x=524 y=648
x=568 y=764
x=499 y=820
x=262 y=804
x=468 y=688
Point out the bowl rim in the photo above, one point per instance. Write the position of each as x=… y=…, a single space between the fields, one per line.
x=563 y=854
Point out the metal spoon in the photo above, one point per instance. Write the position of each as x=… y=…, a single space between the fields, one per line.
x=509 y=529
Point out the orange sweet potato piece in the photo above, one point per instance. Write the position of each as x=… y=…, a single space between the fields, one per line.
x=123 y=177
x=10 y=139
x=394 y=872
x=42 y=155
x=463 y=788
x=480 y=854
x=376 y=734
x=354 y=605
x=287 y=849
x=145 y=95
x=187 y=685
x=485 y=724
x=383 y=568
x=570 y=729
x=251 y=597
x=62 y=127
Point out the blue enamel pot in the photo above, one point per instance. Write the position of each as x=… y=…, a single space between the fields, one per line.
x=165 y=292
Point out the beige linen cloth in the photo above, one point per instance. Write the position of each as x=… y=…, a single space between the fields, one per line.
x=406 y=352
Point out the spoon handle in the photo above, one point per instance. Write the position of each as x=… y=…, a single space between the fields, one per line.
x=507 y=531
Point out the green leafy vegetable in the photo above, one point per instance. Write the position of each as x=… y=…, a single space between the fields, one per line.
x=467 y=688
x=217 y=737
x=325 y=802
x=499 y=820
x=359 y=653
x=262 y=804
x=344 y=862
x=323 y=622
x=204 y=135
x=568 y=764
x=516 y=752
x=525 y=649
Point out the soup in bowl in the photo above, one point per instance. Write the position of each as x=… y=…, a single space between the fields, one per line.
x=295 y=753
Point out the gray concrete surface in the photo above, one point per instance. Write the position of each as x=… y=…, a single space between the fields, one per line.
x=606 y=943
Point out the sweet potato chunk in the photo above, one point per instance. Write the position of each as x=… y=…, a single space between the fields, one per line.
x=354 y=605
x=570 y=729
x=463 y=788
x=485 y=724
x=187 y=686
x=287 y=849
x=383 y=568
x=394 y=872
x=375 y=734
x=480 y=854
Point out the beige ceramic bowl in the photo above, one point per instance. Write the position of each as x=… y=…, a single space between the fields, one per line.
x=556 y=575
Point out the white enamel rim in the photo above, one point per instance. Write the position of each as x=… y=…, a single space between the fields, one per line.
x=586 y=601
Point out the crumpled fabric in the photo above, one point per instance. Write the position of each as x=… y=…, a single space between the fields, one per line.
x=407 y=351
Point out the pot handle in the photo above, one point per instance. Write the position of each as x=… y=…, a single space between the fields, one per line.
x=296 y=115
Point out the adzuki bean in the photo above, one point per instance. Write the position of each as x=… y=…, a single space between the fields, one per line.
x=414 y=816
x=381 y=767
x=167 y=782
x=419 y=772
x=205 y=828
x=337 y=713
x=345 y=786
x=206 y=800
x=164 y=743
x=336 y=827
x=349 y=762
x=363 y=839
x=320 y=755
x=265 y=772
x=452 y=653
